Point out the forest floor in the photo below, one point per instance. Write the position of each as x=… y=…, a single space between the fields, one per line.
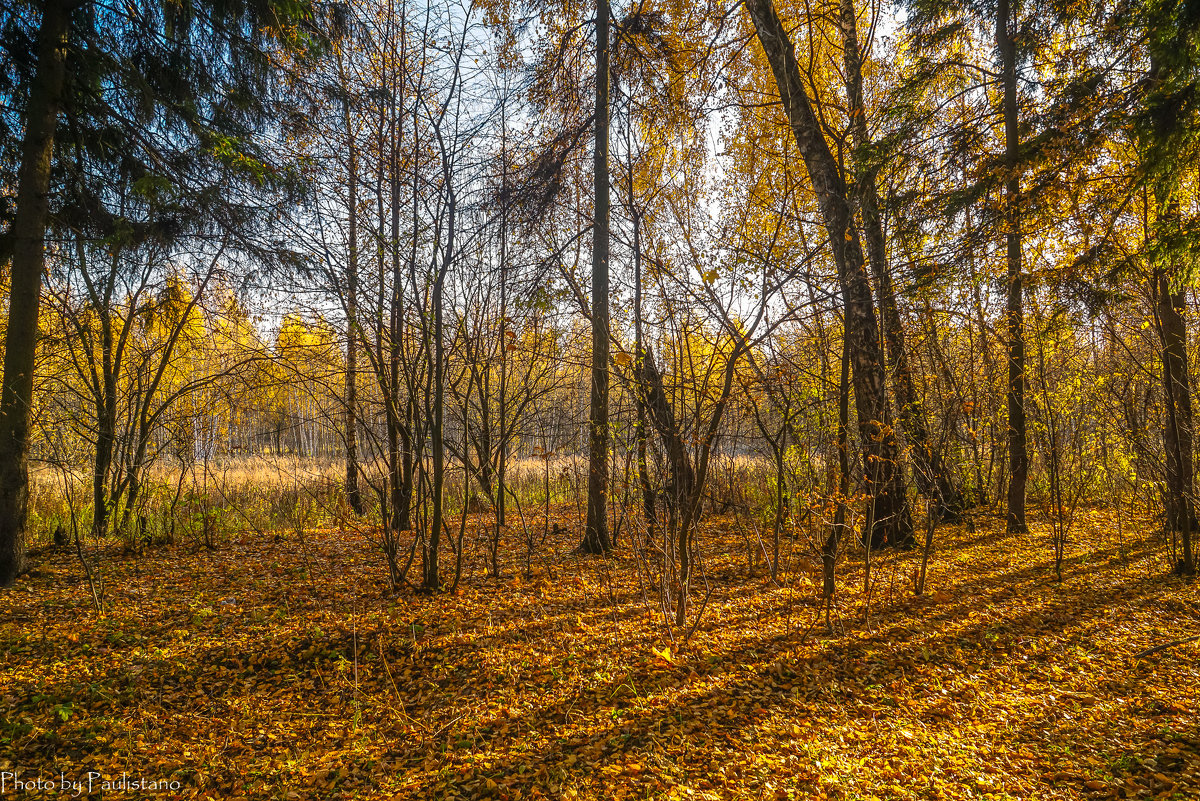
x=283 y=669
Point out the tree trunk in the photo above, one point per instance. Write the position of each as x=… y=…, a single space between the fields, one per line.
x=1179 y=501
x=408 y=423
x=829 y=550
x=683 y=478
x=28 y=262
x=392 y=404
x=502 y=398
x=888 y=519
x=432 y=581
x=106 y=435
x=1018 y=456
x=932 y=478
x=596 y=539
x=639 y=354
x=353 y=495
x=1179 y=504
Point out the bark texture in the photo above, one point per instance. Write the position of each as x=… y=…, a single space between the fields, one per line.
x=1018 y=454
x=932 y=478
x=888 y=518
x=28 y=262
x=1179 y=499
x=596 y=539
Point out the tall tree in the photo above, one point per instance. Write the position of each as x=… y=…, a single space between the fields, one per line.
x=596 y=538
x=28 y=264
x=353 y=494
x=1018 y=455
x=1166 y=131
x=168 y=100
x=932 y=477
x=888 y=516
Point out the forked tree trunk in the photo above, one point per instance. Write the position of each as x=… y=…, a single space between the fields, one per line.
x=932 y=477
x=28 y=262
x=683 y=479
x=888 y=518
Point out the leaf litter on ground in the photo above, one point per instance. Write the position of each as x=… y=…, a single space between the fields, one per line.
x=285 y=670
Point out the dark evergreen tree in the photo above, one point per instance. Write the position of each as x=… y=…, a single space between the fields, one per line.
x=1166 y=125
x=144 y=125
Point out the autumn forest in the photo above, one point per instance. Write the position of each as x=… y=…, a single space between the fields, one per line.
x=576 y=400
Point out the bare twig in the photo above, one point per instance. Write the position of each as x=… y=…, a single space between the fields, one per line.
x=1166 y=645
